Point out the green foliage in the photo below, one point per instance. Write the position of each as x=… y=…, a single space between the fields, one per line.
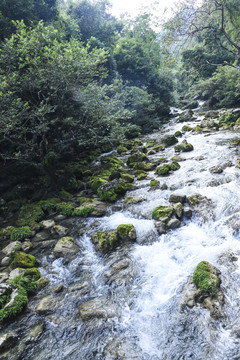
x=30 y=214
x=204 y=279
x=65 y=208
x=16 y=307
x=19 y=234
x=84 y=212
x=109 y=195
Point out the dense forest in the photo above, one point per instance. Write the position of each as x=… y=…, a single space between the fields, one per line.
x=75 y=79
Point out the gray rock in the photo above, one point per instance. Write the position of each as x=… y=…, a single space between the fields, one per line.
x=121 y=348
x=35 y=333
x=99 y=308
x=176 y=198
x=26 y=246
x=59 y=230
x=178 y=209
x=120 y=273
x=5 y=261
x=41 y=236
x=8 y=340
x=47 y=224
x=161 y=227
x=47 y=304
x=42 y=282
x=82 y=288
x=15 y=273
x=56 y=289
x=10 y=247
x=216 y=169
x=65 y=247
x=173 y=224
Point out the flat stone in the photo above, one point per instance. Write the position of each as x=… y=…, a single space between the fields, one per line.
x=5 y=261
x=10 y=247
x=41 y=236
x=15 y=273
x=65 y=247
x=56 y=289
x=26 y=246
x=42 y=282
x=35 y=333
x=47 y=304
x=98 y=309
x=47 y=224
x=216 y=170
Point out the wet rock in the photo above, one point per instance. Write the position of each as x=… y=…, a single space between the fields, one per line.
x=126 y=232
x=66 y=248
x=22 y=260
x=59 y=218
x=81 y=288
x=161 y=227
x=15 y=273
x=216 y=169
x=178 y=158
x=56 y=289
x=11 y=247
x=3 y=277
x=130 y=200
x=120 y=273
x=35 y=333
x=235 y=142
x=99 y=308
x=100 y=209
x=59 y=230
x=201 y=205
x=5 y=261
x=173 y=223
x=183 y=147
x=204 y=289
x=176 y=198
x=26 y=246
x=178 y=209
x=199 y=158
x=187 y=213
x=47 y=224
x=41 y=236
x=8 y=340
x=124 y=349
x=169 y=140
x=47 y=304
x=42 y=282
x=105 y=240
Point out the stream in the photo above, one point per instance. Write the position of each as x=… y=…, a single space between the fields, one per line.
x=139 y=287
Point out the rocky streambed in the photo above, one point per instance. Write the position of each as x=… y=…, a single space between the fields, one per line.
x=143 y=264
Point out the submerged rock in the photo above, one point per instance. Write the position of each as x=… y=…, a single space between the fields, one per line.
x=47 y=304
x=99 y=308
x=216 y=169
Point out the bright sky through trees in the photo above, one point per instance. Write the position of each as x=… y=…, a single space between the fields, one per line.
x=133 y=7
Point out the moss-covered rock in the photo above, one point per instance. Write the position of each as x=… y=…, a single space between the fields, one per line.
x=121 y=149
x=205 y=278
x=186 y=128
x=12 y=302
x=22 y=260
x=142 y=175
x=163 y=170
x=66 y=248
x=174 y=166
x=126 y=232
x=132 y=200
x=183 y=147
x=137 y=156
x=30 y=215
x=178 y=134
x=105 y=240
x=143 y=166
x=96 y=182
x=65 y=208
x=127 y=178
x=112 y=190
x=161 y=212
x=83 y=211
x=169 y=140
x=154 y=183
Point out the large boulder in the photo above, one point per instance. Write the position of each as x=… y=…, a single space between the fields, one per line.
x=65 y=247
x=126 y=232
x=168 y=217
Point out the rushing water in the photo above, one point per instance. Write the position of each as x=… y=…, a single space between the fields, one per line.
x=151 y=325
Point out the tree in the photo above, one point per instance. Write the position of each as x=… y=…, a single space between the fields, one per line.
x=39 y=74
x=214 y=23
x=30 y=11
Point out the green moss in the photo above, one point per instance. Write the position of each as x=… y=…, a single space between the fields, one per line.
x=170 y=140
x=127 y=178
x=65 y=194
x=183 y=147
x=178 y=134
x=142 y=176
x=84 y=200
x=109 y=195
x=174 y=166
x=49 y=205
x=125 y=231
x=228 y=119
x=138 y=156
x=154 y=183
x=16 y=307
x=186 y=128
x=34 y=273
x=65 y=208
x=84 y=212
x=143 y=166
x=30 y=214
x=163 y=170
x=121 y=149
x=159 y=147
x=96 y=182
x=198 y=128
x=22 y=260
x=162 y=212
x=19 y=234
x=105 y=240
x=204 y=279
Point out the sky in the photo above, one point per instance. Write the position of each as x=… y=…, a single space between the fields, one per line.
x=133 y=7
